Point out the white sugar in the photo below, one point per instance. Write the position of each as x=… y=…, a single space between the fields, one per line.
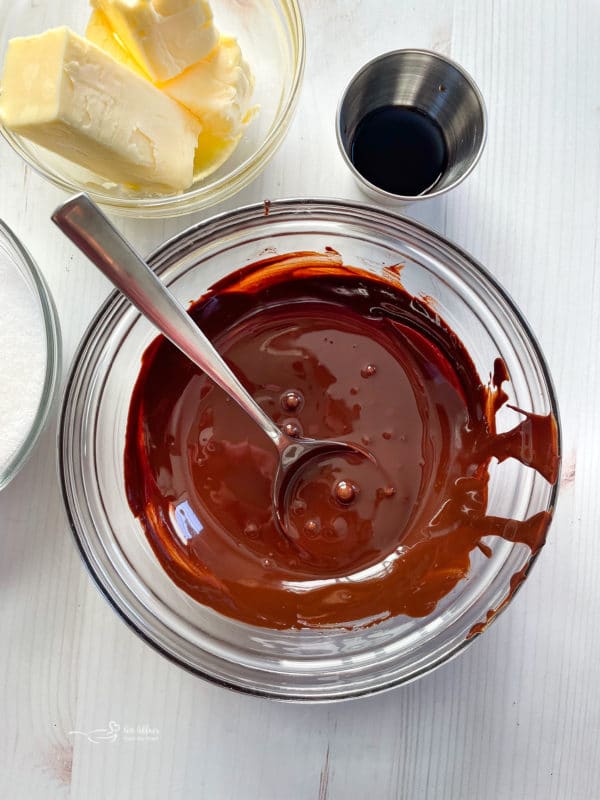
x=22 y=359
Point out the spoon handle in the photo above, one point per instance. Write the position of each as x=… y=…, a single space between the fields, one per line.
x=92 y=232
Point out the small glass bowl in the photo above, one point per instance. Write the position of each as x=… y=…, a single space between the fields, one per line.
x=311 y=665
x=12 y=252
x=271 y=36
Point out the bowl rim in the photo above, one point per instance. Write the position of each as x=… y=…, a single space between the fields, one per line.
x=21 y=256
x=221 y=223
x=372 y=188
x=202 y=197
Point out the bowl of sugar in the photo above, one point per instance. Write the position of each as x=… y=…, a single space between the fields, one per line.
x=30 y=354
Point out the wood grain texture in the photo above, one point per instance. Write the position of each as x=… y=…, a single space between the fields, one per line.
x=518 y=715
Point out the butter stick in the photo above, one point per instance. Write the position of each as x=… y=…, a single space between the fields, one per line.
x=64 y=93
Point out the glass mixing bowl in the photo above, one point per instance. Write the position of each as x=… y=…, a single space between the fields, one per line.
x=271 y=35
x=20 y=267
x=292 y=664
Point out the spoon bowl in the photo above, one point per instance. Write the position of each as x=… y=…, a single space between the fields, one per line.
x=296 y=455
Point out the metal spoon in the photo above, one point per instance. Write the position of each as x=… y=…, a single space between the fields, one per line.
x=82 y=221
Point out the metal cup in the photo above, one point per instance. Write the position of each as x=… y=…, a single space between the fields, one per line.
x=432 y=84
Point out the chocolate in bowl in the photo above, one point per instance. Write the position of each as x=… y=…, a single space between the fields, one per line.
x=319 y=662
x=369 y=364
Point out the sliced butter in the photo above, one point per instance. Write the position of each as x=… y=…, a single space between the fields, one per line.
x=217 y=89
x=165 y=37
x=100 y=33
x=67 y=95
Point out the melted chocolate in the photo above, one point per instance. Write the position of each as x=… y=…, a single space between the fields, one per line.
x=328 y=351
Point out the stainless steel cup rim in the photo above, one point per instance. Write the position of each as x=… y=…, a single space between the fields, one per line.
x=374 y=189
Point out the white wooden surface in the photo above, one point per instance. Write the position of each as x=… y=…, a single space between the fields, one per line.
x=516 y=716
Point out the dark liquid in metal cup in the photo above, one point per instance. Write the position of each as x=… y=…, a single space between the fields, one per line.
x=400 y=149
